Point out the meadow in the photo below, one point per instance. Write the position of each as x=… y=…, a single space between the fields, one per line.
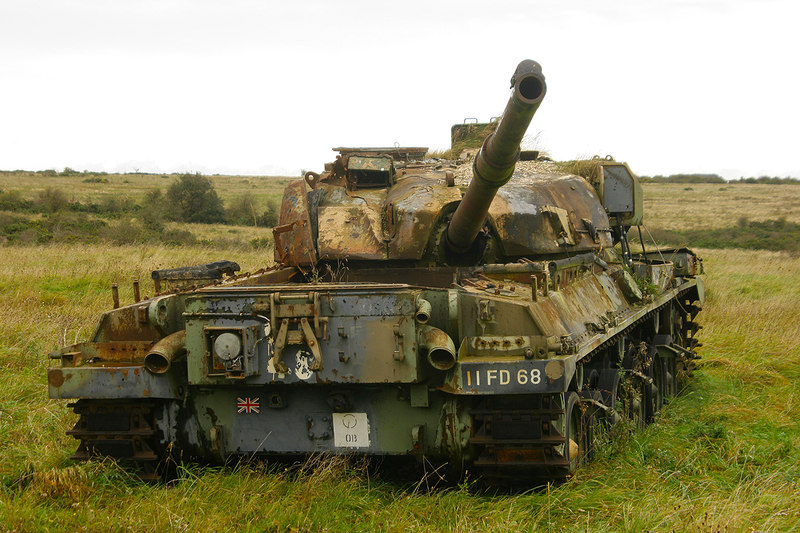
x=96 y=187
x=723 y=456
x=673 y=206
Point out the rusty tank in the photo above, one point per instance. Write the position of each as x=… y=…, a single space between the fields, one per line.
x=493 y=326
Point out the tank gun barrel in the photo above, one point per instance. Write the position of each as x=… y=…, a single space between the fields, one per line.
x=494 y=164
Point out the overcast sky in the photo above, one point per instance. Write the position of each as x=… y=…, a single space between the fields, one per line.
x=260 y=87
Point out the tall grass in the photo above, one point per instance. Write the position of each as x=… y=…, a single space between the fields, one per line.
x=722 y=457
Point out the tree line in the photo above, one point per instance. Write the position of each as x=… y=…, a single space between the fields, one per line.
x=716 y=178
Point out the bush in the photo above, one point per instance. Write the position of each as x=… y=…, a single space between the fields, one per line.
x=116 y=205
x=269 y=218
x=177 y=237
x=684 y=178
x=769 y=180
x=192 y=198
x=13 y=201
x=154 y=197
x=776 y=235
x=73 y=227
x=152 y=213
x=69 y=226
x=243 y=211
x=52 y=200
x=132 y=231
x=22 y=230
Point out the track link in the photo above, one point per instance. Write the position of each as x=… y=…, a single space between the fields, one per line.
x=516 y=438
x=125 y=431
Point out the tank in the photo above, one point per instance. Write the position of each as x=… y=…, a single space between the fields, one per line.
x=488 y=314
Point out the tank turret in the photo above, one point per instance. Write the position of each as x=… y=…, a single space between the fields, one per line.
x=494 y=164
x=390 y=207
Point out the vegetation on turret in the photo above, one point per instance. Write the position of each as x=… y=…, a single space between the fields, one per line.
x=464 y=137
x=586 y=168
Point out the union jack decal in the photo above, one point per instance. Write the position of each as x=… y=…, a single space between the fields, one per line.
x=247 y=405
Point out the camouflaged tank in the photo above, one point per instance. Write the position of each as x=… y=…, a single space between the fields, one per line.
x=493 y=328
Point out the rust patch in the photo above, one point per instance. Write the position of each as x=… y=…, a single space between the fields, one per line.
x=110 y=351
x=352 y=231
x=450 y=425
x=55 y=377
x=123 y=324
x=415 y=204
x=294 y=244
x=508 y=455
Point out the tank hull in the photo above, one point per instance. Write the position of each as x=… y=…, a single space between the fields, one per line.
x=502 y=405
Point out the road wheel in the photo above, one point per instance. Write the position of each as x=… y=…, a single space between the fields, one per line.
x=632 y=399
x=579 y=432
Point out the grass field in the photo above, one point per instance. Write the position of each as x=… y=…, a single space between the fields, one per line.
x=134 y=186
x=670 y=206
x=667 y=206
x=724 y=456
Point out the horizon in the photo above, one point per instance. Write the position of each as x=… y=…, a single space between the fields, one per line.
x=69 y=171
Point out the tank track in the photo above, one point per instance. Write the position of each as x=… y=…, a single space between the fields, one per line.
x=123 y=430
x=516 y=438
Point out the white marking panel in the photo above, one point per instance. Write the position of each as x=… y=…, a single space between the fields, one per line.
x=350 y=430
